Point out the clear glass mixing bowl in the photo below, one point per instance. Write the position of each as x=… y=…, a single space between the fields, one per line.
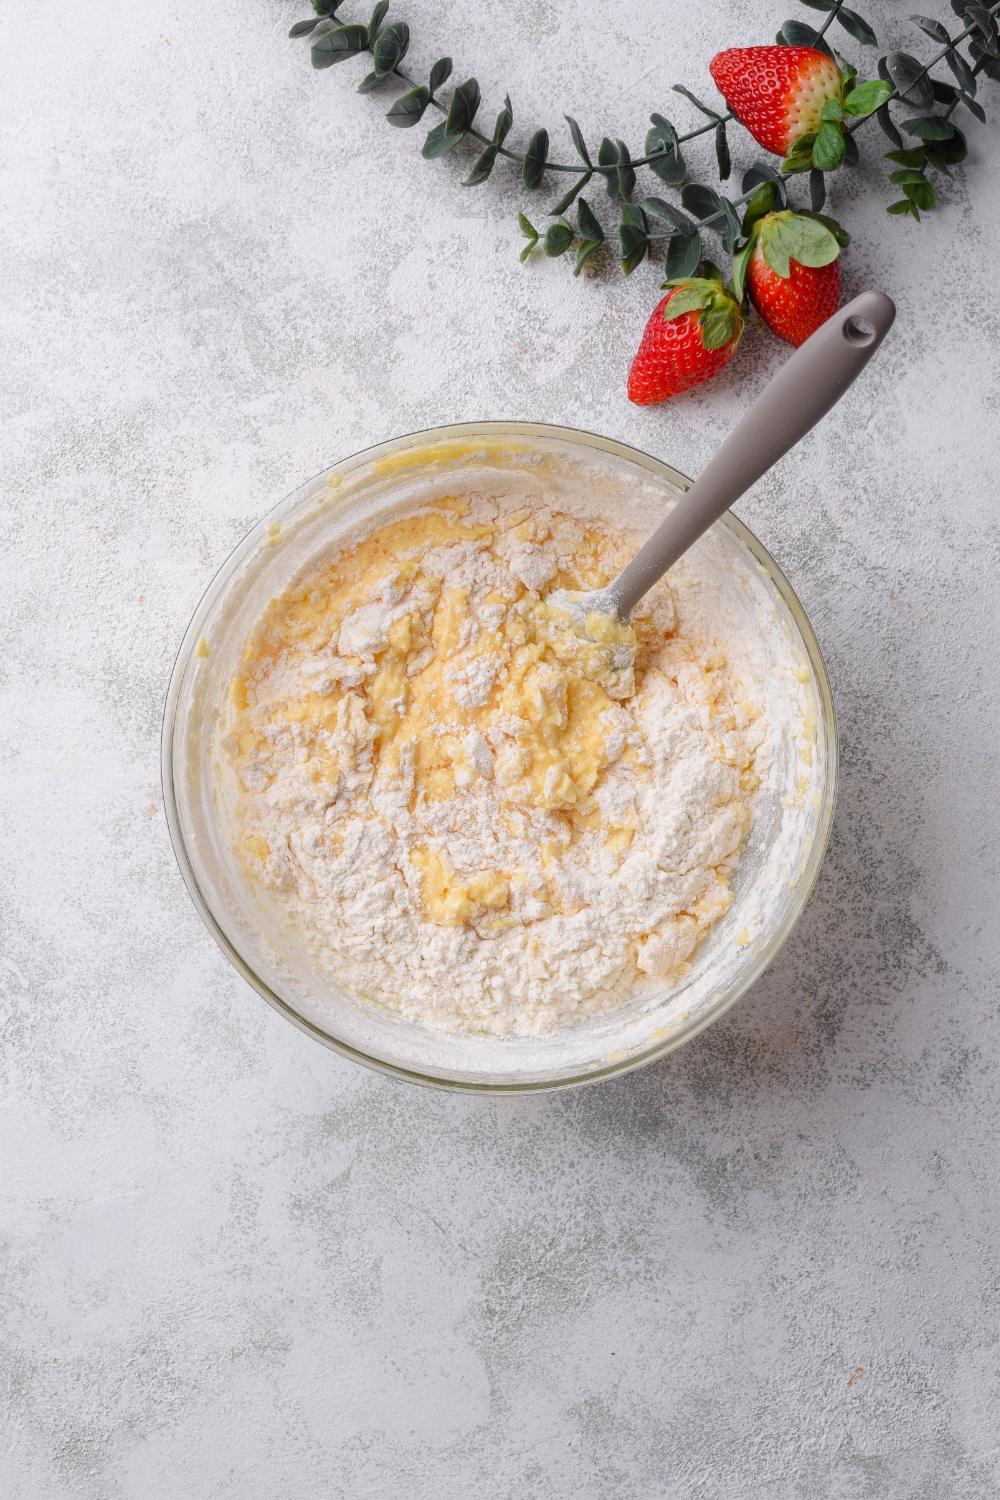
x=785 y=845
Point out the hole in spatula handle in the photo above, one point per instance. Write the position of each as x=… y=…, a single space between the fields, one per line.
x=858 y=331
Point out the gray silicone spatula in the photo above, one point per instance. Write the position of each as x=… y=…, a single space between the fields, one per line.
x=802 y=392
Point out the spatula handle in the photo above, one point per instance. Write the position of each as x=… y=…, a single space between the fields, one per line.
x=802 y=392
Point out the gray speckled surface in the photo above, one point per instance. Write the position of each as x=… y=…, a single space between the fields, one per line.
x=235 y=1265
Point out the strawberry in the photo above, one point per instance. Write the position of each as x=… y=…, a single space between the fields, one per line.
x=778 y=93
x=790 y=269
x=691 y=336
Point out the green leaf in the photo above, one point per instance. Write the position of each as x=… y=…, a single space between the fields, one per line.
x=921 y=193
x=722 y=156
x=763 y=171
x=833 y=110
x=584 y=253
x=558 y=238
x=838 y=231
x=961 y=71
x=326 y=7
x=817 y=190
x=683 y=255
x=715 y=211
x=527 y=251
x=933 y=28
x=904 y=206
x=373 y=81
x=568 y=197
x=953 y=150
x=482 y=166
x=633 y=238
x=440 y=73
x=587 y=222
x=409 y=108
x=713 y=114
x=534 y=159
x=800 y=158
x=798 y=34
x=505 y=119
x=338 y=45
x=829 y=150
x=656 y=208
x=378 y=16
x=463 y=107
x=526 y=227
x=760 y=204
x=906 y=174
x=858 y=28
x=686 y=299
x=930 y=128
x=391 y=48
x=439 y=141
x=867 y=98
x=912 y=158
x=621 y=177
x=662 y=144
x=719 y=327
x=887 y=127
x=807 y=240
x=740 y=262
x=303 y=28
x=909 y=78
x=578 y=140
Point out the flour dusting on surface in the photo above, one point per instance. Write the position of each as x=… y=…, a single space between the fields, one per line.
x=468 y=809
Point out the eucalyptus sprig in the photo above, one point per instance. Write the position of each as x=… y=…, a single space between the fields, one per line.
x=904 y=83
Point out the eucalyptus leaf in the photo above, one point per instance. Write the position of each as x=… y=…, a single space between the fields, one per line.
x=373 y=81
x=656 y=208
x=584 y=253
x=722 y=153
x=948 y=153
x=482 y=166
x=763 y=171
x=798 y=34
x=409 y=108
x=440 y=141
x=944 y=93
x=817 y=190
x=587 y=222
x=505 y=119
x=683 y=255
x=983 y=20
x=974 y=108
x=535 y=157
x=621 y=179
x=909 y=78
x=933 y=28
x=391 y=48
x=990 y=65
x=326 y=7
x=669 y=167
x=633 y=242
x=338 y=45
x=568 y=197
x=440 y=73
x=378 y=16
x=887 y=127
x=462 y=108
x=558 y=238
x=930 y=128
x=914 y=158
x=961 y=70
x=713 y=114
x=851 y=155
x=303 y=28
x=578 y=141
x=858 y=28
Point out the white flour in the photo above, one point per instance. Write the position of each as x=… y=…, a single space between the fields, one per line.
x=484 y=900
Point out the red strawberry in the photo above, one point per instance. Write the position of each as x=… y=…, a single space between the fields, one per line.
x=778 y=93
x=790 y=267
x=691 y=336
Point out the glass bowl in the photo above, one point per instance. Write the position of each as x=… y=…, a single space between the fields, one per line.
x=792 y=812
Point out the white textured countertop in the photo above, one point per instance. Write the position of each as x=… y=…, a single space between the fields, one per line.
x=234 y=1265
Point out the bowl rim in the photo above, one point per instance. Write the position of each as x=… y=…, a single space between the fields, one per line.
x=422 y=438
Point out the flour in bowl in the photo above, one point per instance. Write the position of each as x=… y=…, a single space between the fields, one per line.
x=468 y=808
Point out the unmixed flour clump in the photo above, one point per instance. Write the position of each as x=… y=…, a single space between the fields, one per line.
x=469 y=809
